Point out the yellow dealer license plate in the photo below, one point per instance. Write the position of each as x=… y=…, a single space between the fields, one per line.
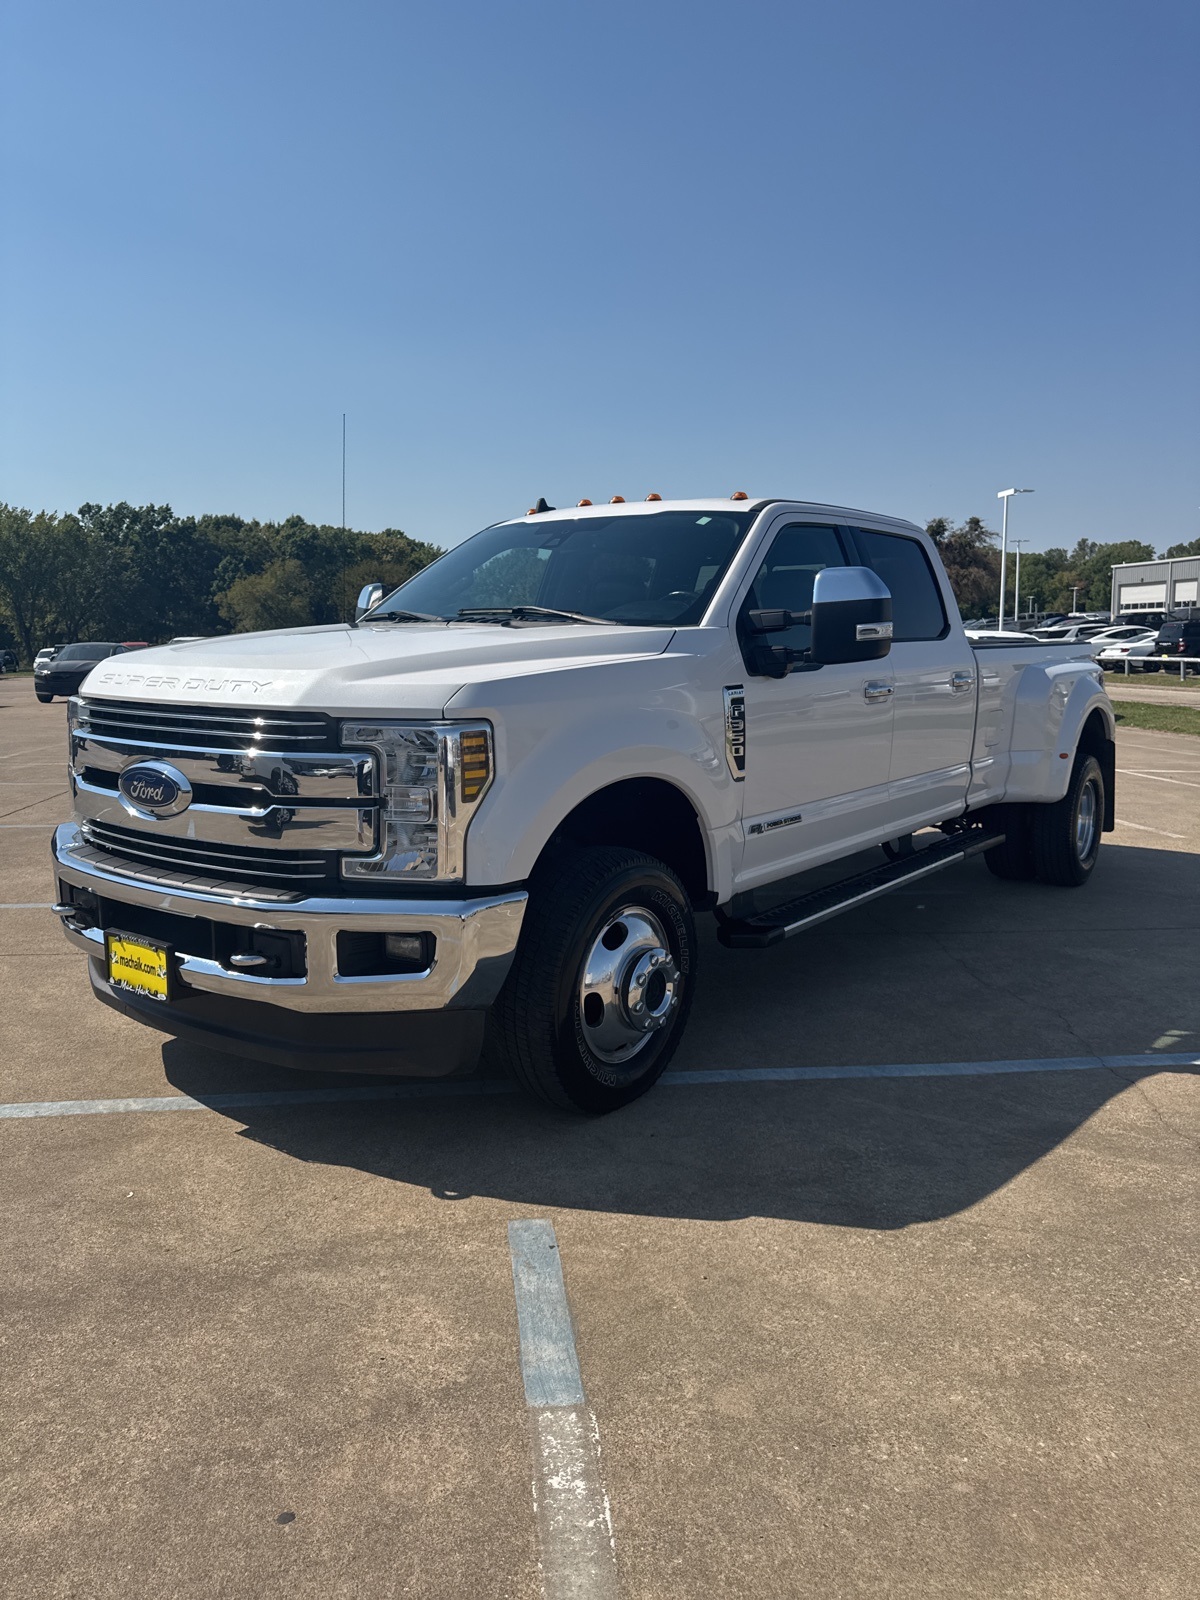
x=134 y=964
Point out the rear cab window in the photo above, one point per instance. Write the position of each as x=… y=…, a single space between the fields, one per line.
x=917 y=608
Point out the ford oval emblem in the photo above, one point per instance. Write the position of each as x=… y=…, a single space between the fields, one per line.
x=154 y=787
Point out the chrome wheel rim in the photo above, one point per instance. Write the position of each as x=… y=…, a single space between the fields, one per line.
x=1085 y=820
x=630 y=985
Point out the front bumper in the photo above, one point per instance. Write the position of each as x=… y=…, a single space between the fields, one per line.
x=474 y=939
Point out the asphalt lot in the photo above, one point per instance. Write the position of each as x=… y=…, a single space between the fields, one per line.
x=842 y=1336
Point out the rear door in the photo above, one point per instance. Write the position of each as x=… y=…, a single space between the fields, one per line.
x=934 y=669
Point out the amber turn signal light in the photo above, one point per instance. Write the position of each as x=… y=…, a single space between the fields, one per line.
x=475 y=764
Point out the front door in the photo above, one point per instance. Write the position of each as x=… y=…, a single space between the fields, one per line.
x=817 y=743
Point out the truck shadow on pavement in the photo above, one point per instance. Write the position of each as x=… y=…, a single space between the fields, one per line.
x=874 y=1153
x=988 y=970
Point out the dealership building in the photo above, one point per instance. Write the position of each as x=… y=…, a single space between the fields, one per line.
x=1156 y=585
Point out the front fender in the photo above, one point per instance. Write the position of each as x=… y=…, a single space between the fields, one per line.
x=540 y=781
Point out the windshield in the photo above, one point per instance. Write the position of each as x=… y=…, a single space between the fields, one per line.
x=661 y=567
x=86 y=652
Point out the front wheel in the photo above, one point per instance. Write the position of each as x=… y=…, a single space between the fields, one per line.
x=600 y=989
x=1066 y=835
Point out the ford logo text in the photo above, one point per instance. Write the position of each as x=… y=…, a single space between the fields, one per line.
x=155 y=787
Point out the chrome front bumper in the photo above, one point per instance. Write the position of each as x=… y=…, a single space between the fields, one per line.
x=475 y=939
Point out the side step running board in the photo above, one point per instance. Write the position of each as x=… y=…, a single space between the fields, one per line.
x=769 y=927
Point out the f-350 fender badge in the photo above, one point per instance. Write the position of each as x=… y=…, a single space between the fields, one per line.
x=735 y=730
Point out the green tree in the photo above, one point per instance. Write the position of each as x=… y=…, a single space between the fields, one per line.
x=85 y=581
x=1192 y=549
x=972 y=563
x=278 y=597
x=28 y=574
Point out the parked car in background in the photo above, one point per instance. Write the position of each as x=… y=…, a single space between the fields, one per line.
x=67 y=669
x=1067 y=633
x=1134 y=647
x=1143 y=619
x=1121 y=635
x=8 y=661
x=1179 y=636
x=48 y=653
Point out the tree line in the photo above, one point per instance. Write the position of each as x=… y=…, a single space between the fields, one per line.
x=1051 y=580
x=122 y=572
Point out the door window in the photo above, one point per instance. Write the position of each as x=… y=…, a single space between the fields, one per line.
x=917 y=609
x=785 y=579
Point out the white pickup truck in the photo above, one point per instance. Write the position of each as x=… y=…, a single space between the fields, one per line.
x=497 y=801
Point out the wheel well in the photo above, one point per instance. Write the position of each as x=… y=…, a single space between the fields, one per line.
x=1094 y=741
x=644 y=814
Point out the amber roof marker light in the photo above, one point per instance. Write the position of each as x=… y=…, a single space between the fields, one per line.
x=583 y=502
x=654 y=497
x=617 y=500
x=739 y=494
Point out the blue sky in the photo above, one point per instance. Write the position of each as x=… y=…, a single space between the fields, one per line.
x=892 y=255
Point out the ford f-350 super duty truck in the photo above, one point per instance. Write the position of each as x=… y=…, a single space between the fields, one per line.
x=501 y=796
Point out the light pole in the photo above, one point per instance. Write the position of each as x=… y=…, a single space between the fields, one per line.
x=1075 y=588
x=1005 y=495
x=1017 y=543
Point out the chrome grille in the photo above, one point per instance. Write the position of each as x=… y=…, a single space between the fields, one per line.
x=300 y=871
x=209 y=727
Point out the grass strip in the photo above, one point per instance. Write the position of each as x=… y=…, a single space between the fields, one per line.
x=1158 y=718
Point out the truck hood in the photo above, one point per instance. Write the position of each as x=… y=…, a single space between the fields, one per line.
x=409 y=669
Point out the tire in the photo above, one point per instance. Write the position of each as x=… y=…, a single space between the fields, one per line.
x=625 y=918
x=44 y=698
x=1066 y=835
x=1013 y=859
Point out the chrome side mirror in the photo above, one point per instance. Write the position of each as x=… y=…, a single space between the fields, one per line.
x=369 y=595
x=851 y=616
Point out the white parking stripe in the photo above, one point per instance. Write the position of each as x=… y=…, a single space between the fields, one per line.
x=1143 y=828
x=1132 y=772
x=471 y=1088
x=578 y=1553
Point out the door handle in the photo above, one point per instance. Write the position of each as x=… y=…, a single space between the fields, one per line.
x=960 y=682
x=876 y=691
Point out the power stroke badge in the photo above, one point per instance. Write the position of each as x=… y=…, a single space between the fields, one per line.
x=735 y=730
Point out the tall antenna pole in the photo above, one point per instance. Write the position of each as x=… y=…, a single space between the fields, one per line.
x=344 y=472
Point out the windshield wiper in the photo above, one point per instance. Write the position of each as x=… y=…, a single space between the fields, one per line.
x=400 y=616
x=504 y=614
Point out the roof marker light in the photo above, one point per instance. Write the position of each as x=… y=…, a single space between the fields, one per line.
x=584 y=502
x=654 y=497
x=617 y=500
x=739 y=494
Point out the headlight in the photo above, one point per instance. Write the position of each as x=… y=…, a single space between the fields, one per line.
x=431 y=779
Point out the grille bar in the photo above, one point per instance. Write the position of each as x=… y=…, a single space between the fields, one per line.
x=300 y=869
x=212 y=727
x=166 y=878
